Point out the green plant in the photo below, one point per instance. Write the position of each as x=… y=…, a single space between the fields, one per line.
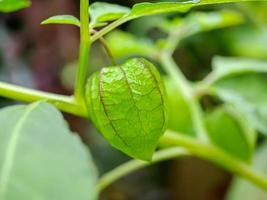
x=128 y=104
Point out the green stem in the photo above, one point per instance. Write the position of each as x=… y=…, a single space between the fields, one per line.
x=108 y=50
x=215 y=155
x=134 y=165
x=109 y=28
x=174 y=72
x=187 y=146
x=85 y=45
x=64 y=103
x=67 y=104
x=201 y=89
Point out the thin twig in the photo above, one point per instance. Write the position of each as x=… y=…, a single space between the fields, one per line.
x=106 y=47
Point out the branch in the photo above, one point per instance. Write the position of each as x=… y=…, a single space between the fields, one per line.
x=181 y=82
x=64 y=103
x=109 y=28
x=215 y=155
x=134 y=165
x=184 y=146
x=106 y=48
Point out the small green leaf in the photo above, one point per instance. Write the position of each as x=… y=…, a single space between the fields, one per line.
x=241 y=82
x=191 y=24
x=104 y=12
x=224 y=67
x=203 y=21
x=98 y=24
x=127 y=105
x=13 y=5
x=242 y=189
x=129 y=45
x=179 y=113
x=145 y=9
x=62 y=19
x=248 y=93
x=247 y=45
x=206 y=21
x=229 y=130
x=40 y=158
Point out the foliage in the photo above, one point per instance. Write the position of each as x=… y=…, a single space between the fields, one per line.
x=130 y=95
x=176 y=101
x=242 y=82
x=25 y=137
x=13 y=5
x=129 y=106
x=62 y=19
x=241 y=189
x=238 y=129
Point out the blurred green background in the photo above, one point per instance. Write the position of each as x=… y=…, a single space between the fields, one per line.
x=44 y=57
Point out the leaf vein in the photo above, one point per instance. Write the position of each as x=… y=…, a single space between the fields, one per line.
x=11 y=150
x=106 y=111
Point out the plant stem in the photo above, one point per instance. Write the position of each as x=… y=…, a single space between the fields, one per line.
x=67 y=104
x=187 y=146
x=106 y=48
x=133 y=165
x=173 y=71
x=109 y=28
x=64 y=103
x=108 y=51
x=215 y=155
x=85 y=45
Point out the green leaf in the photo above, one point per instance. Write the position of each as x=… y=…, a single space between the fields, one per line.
x=249 y=44
x=241 y=82
x=244 y=190
x=145 y=9
x=249 y=94
x=179 y=113
x=206 y=21
x=13 y=5
x=127 y=105
x=194 y=23
x=40 y=158
x=224 y=67
x=98 y=24
x=62 y=19
x=104 y=12
x=203 y=21
x=129 y=45
x=229 y=130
